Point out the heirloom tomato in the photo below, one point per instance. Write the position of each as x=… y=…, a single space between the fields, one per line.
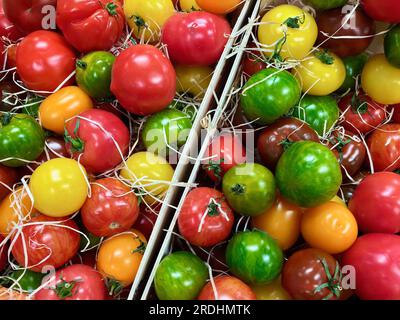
x=383 y=10
x=326 y=4
x=392 y=46
x=8 y=29
x=271 y=291
x=192 y=80
x=188 y=5
x=354 y=66
x=227 y=288
x=218 y=7
x=8 y=176
x=26 y=279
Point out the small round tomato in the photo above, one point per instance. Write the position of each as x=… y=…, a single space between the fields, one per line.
x=218 y=7
x=271 y=291
x=326 y=4
x=26 y=279
x=383 y=10
x=8 y=176
x=59 y=187
x=192 y=80
x=8 y=29
x=226 y=288
x=392 y=46
x=354 y=66
x=188 y=5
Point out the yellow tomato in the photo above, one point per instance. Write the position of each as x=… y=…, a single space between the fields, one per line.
x=61 y=106
x=219 y=6
x=281 y=222
x=59 y=187
x=189 y=5
x=291 y=26
x=146 y=17
x=381 y=81
x=193 y=80
x=271 y=291
x=330 y=227
x=321 y=73
x=339 y=201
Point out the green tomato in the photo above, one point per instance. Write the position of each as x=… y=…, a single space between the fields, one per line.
x=188 y=108
x=269 y=94
x=308 y=174
x=320 y=112
x=28 y=280
x=180 y=276
x=93 y=74
x=392 y=46
x=254 y=257
x=20 y=137
x=326 y=4
x=31 y=106
x=354 y=66
x=249 y=189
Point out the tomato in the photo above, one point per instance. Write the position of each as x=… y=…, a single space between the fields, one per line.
x=93 y=134
x=48 y=242
x=202 y=39
x=12 y=56
x=193 y=81
x=44 y=61
x=281 y=222
x=306 y=271
x=253 y=61
x=271 y=291
x=308 y=174
x=21 y=139
x=396 y=113
x=354 y=66
x=188 y=5
x=383 y=10
x=287 y=32
x=180 y=276
x=147 y=17
x=392 y=46
x=361 y=113
x=7 y=28
x=379 y=80
x=224 y=152
x=143 y=80
x=219 y=7
x=93 y=74
x=326 y=4
x=8 y=176
x=340 y=23
x=59 y=187
x=119 y=257
x=384 y=147
x=75 y=282
x=3 y=254
x=268 y=95
x=321 y=73
x=375 y=258
x=26 y=279
x=7 y=294
x=146 y=220
x=227 y=288
x=254 y=257
x=205 y=218
x=112 y=208
x=376 y=204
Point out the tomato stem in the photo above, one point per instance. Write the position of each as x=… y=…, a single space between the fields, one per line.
x=358 y=104
x=324 y=56
x=213 y=209
x=114 y=287
x=238 y=189
x=215 y=168
x=111 y=7
x=295 y=22
x=333 y=283
x=81 y=64
x=64 y=288
x=141 y=248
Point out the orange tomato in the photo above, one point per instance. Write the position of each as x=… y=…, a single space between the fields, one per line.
x=330 y=227
x=219 y=6
x=61 y=106
x=271 y=291
x=281 y=221
x=119 y=256
x=338 y=200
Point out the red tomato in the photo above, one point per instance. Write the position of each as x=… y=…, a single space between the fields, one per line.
x=92 y=24
x=7 y=28
x=146 y=220
x=12 y=56
x=46 y=244
x=3 y=255
x=45 y=60
x=383 y=10
x=8 y=176
x=202 y=37
x=227 y=288
x=376 y=259
x=92 y=137
x=111 y=209
x=143 y=80
x=206 y=218
x=396 y=113
x=75 y=282
x=253 y=62
x=224 y=152
x=376 y=203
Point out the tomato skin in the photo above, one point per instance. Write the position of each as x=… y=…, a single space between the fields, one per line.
x=354 y=66
x=146 y=220
x=187 y=5
x=7 y=28
x=86 y=282
x=392 y=46
x=193 y=80
x=202 y=41
x=8 y=176
x=42 y=240
x=376 y=205
x=253 y=62
x=378 y=253
x=271 y=291
x=111 y=209
x=143 y=80
x=44 y=61
x=384 y=10
x=326 y=4
x=28 y=280
x=228 y=288
x=217 y=224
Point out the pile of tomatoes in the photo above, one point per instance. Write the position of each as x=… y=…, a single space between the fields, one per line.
x=95 y=95
x=316 y=214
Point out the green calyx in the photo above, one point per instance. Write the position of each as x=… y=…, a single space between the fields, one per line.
x=114 y=287
x=324 y=56
x=6 y=118
x=333 y=283
x=64 y=289
x=358 y=105
x=215 y=168
x=111 y=8
x=238 y=189
x=213 y=209
x=81 y=64
x=286 y=143
x=295 y=22
x=141 y=248
x=77 y=144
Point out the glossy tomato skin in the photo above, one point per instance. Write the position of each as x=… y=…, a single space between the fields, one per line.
x=74 y=282
x=392 y=46
x=45 y=60
x=28 y=280
x=94 y=134
x=202 y=38
x=270 y=143
x=326 y=4
x=375 y=258
x=271 y=291
x=220 y=7
x=376 y=203
x=143 y=80
x=218 y=221
x=54 y=243
x=193 y=80
x=7 y=28
x=111 y=209
x=354 y=66
x=8 y=176
x=384 y=10
x=227 y=288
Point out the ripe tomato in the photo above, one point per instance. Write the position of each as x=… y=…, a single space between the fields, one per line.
x=205 y=218
x=59 y=187
x=8 y=176
x=375 y=203
x=48 y=242
x=112 y=208
x=271 y=291
x=146 y=220
x=143 y=80
x=287 y=31
x=396 y=113
x=354 y=66
x=193 y=81
x=119 y=257
x=227 y=288
x=93 y=134
x=7 y=28
x=383 y=10
x=75 y=282
x=188 y=5
x=218 y=7
x=202 y=38
x=44 y=61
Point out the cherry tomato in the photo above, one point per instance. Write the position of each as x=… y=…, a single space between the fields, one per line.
x=392 y=46
x=383 y=10
x=8 y=176
x=219 y=7
x=193 y=80
x=7 y=28
x=227 y=288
